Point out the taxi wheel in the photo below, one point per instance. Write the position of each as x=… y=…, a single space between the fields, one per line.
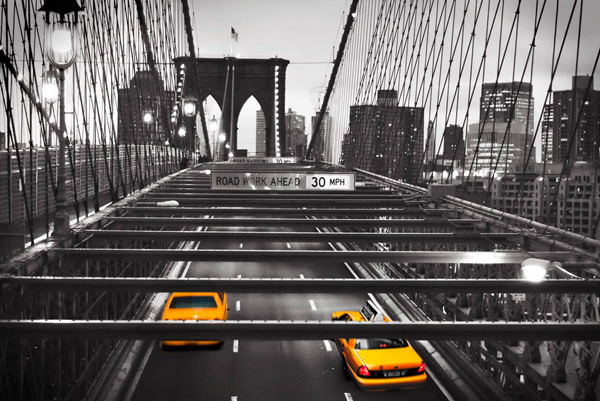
x=165 y=347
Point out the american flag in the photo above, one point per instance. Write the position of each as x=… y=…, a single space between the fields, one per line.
x=234 y=34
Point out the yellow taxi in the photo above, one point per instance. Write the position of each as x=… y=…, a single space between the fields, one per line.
x=195 y=306
x=377 y=364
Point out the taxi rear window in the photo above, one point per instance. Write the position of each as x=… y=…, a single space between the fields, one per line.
x=380 y=343
x=202 y=301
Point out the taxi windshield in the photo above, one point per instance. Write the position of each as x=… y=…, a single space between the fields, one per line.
x=380 y=343
x=202 y=301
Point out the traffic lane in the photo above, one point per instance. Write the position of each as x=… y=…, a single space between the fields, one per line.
x=263 y=370
x=266 y=370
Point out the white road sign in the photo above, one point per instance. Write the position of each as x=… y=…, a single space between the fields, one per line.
x=282 y=181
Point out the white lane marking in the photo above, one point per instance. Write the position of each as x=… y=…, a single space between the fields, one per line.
x=312 y=304
x=236 y=346
x=241 y=245
x=348 y=396
x=289 y=246
x=327 y=345
x=302 y=276
x=238 y=305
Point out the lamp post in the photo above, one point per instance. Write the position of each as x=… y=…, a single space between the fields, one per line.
x=213 y=125
x=50 y=93
x=61 y=48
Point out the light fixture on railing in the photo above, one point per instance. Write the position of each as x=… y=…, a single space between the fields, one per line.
x=536 y=270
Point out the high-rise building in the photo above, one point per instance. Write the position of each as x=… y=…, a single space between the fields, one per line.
x=323 y=147
x=431 y=147
x=142 y=108
x=506 y=102
x=385 y=138
x=261 y=134
x=576 y=125
x=548 y=133
x=502 y=139
x=454 y=145
x=295 y=129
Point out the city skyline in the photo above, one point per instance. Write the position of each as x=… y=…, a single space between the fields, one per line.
x=287 y=36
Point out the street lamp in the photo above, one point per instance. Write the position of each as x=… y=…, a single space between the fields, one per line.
x=147 y=117
x=213 y=125
x=61 y=49
x=50 y=86
x=189 y=106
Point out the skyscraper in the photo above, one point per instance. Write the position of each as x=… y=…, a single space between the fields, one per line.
x=385 y=138
x=431 y=147
x=261 y=133
x=454 y=145
x=295 y=129
x=548 y=133
x=503 y=137
x=576 y=125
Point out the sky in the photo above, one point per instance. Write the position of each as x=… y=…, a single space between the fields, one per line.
x=301 y=31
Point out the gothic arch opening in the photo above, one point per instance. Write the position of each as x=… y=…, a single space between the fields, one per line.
x=249 y=139
x=213 y=116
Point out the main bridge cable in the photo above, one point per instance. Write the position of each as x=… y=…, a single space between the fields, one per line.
x=332 y=78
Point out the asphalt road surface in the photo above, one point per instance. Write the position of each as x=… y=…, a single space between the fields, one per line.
x=265 y=370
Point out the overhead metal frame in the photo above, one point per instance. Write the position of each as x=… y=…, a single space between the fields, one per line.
x=301 y=211
x=483 y=258
x=296 y=330
x=291 y=222
x=309 y=236
x=292 y=285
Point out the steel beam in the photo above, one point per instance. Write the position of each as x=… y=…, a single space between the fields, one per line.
x=282 y=195
x=362 y=212
x=187 y=201
x=486 y=258
x=310 y=236
x=282 y=222
x=296 y=330
x=297 y=286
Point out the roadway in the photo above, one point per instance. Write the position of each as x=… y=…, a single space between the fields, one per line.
x=264 y=370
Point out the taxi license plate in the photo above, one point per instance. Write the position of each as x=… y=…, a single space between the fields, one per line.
x=394 y=373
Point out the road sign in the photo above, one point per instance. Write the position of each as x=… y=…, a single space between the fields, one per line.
x=282 y=181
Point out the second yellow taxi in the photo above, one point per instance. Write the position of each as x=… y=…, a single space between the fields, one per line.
x=377 y=364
